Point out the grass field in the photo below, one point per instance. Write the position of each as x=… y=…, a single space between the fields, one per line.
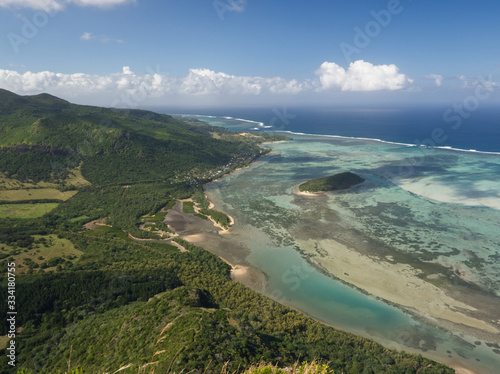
x=81 y=218
x=158 y=217
x=36 y=194
x=8 y=183
x=169 y=205
x=4 y=340
x=75 y=178
x=188 y=207
x=109 y=230
x=44 y=249
x=25 y=210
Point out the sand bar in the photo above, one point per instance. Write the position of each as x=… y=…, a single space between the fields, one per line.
x=397 y=283
x=434 y=190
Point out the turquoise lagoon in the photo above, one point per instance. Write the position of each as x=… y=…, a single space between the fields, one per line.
x=439 y=208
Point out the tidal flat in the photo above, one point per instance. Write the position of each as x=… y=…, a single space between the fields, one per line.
x=405 y=269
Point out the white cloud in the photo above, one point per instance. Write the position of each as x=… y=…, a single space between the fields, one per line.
x=102 y=38
x=127 y=71
x=361 y=76
x=100 y=3
x=131 y=88
x=479 y=81
x=199 y=82
x=45 y=5
x=208 y=82
x=438 y=79
x=86 y=36
x=55 y=5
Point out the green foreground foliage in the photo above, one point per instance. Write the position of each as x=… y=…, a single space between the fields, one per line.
x=262 y=368
x=129 y=303
x=142 y=306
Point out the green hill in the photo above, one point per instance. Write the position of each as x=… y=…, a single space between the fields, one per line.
x=335 y=182
x=43 y=137
x=102 y=301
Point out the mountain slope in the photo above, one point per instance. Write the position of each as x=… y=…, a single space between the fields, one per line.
x=115 y=146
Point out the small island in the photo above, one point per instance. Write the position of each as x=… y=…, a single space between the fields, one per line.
x=335 y=182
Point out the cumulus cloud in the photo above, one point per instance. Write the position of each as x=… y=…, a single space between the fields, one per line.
x=474 y=82
x=102 y=38
x=131 y=88
x=205 y=81
x=438 y=79
x=55 y=5
x=361 y=76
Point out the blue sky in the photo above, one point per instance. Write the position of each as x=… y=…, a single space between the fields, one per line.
x=231 y=52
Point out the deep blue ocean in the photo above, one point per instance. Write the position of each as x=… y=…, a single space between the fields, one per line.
x=431 y=126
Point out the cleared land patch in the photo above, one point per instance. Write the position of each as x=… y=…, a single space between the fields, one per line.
x=110 y=231
x=75 y=178
x=188 y=207
x=46 y=252
x=36 y=194
x=26 y=210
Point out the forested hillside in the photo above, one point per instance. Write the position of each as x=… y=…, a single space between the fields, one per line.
x=43 y=138
x=95 y=298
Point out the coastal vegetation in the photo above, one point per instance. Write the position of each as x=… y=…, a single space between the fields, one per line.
x=335 y=182
x=188 y=207
x=105 y=302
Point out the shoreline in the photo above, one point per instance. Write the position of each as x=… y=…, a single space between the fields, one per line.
x=296 y=191
x=247 y=276
x=409 y=145
x=437 y=303
x=418 y=297
x=440 y=306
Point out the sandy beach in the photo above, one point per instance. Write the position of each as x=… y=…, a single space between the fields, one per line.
x=305 y=193
x=246 y=275
x=222 y=230
x=461 y=370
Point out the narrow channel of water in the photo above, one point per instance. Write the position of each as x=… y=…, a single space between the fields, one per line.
x=261 y=200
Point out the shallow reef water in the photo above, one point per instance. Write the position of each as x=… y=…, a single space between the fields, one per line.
x=439 y=208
